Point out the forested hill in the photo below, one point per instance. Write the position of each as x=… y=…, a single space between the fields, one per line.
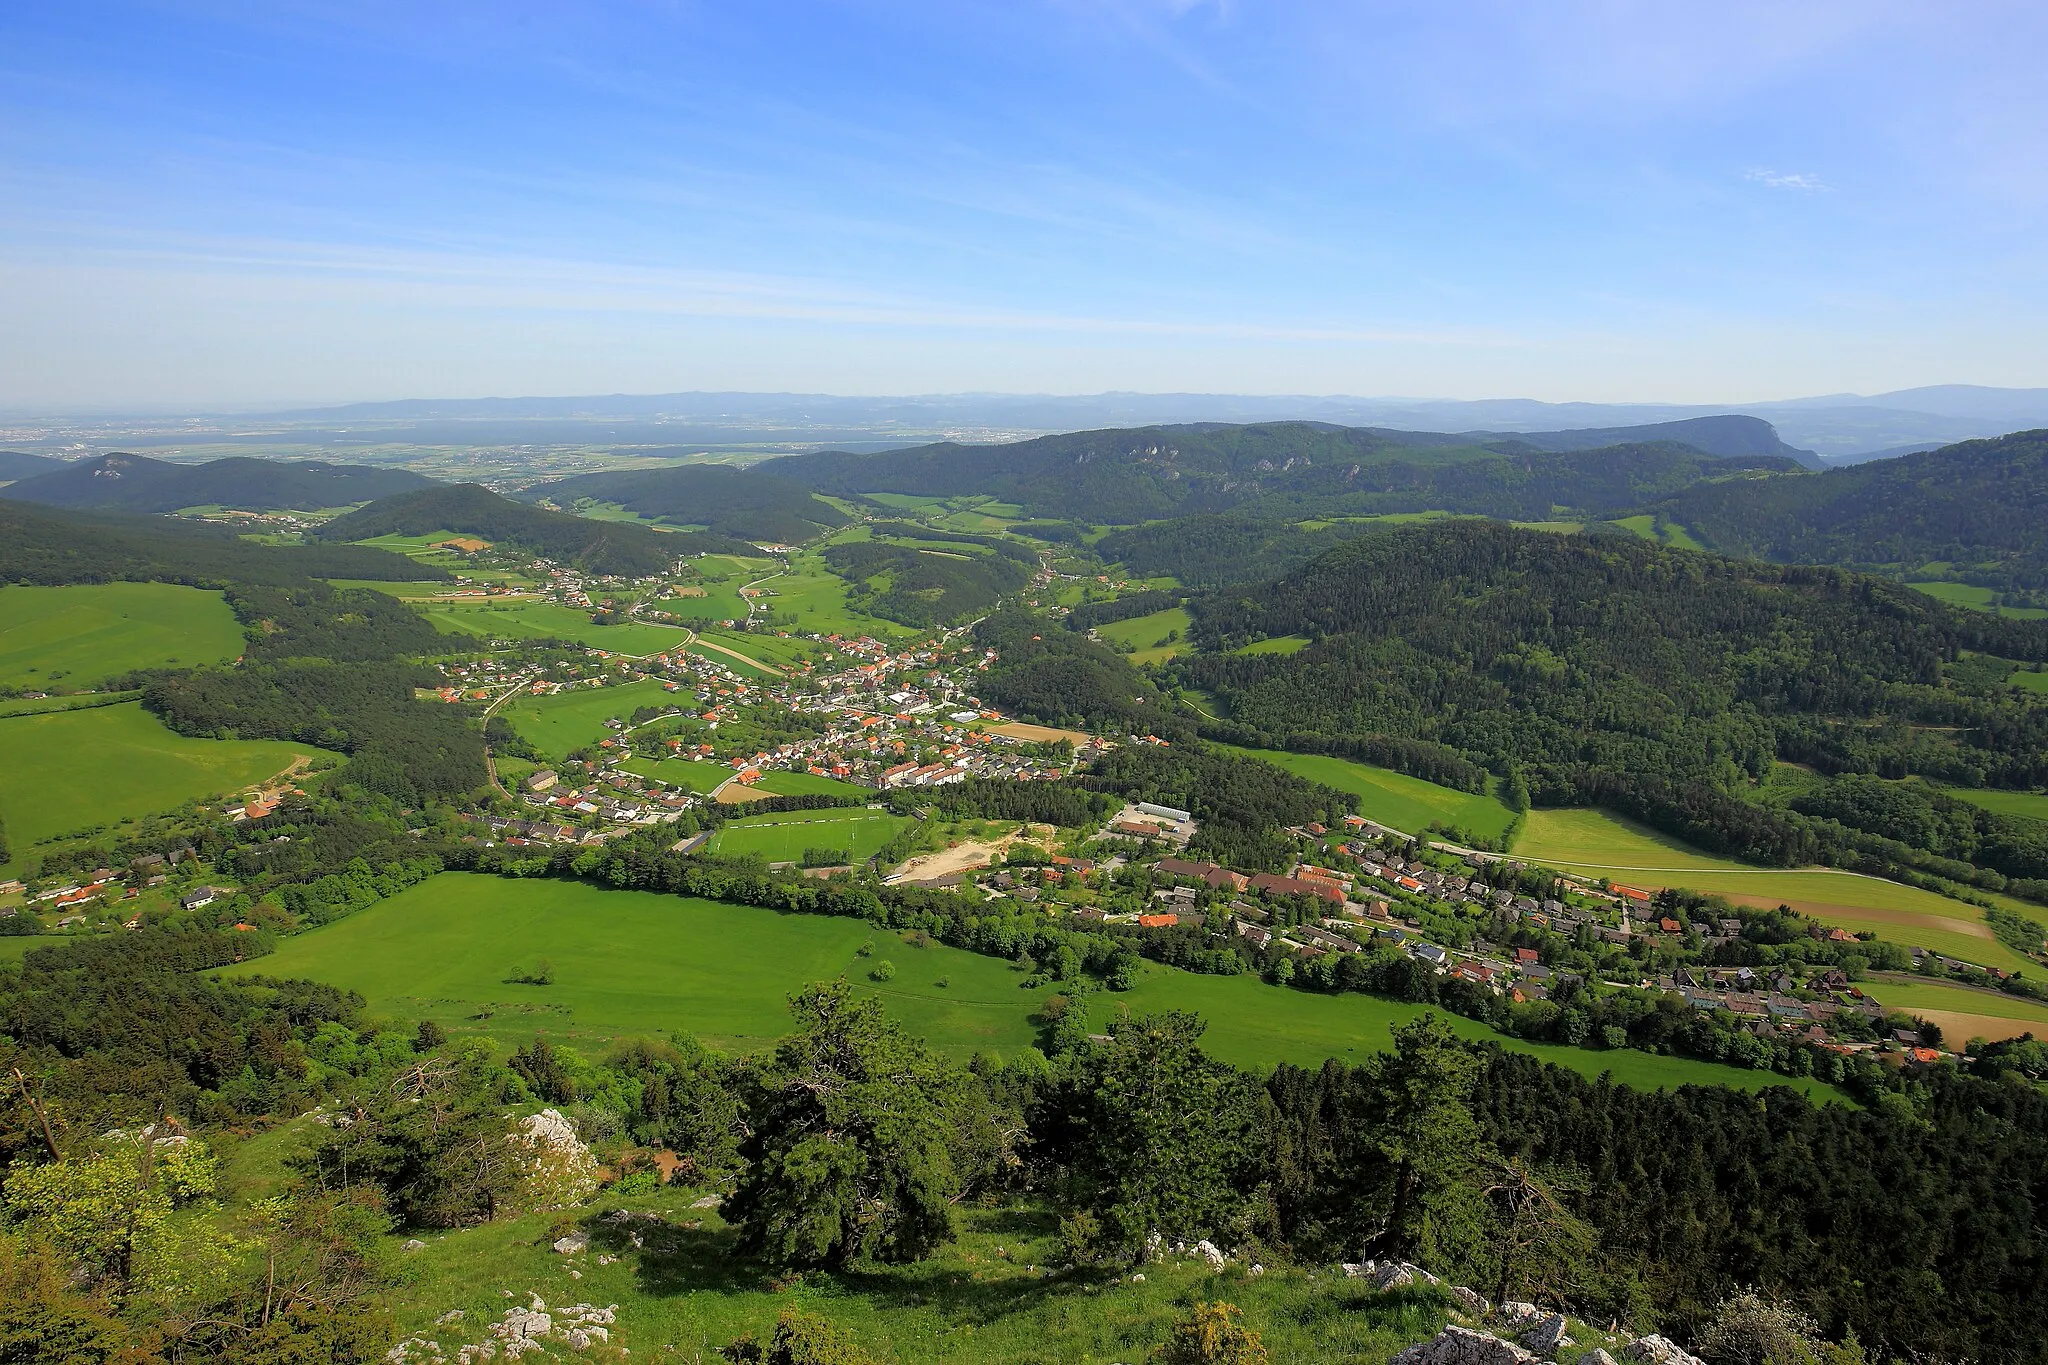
x=1981 y=506
x=734 y=502
x=49 y=545
x=136 y=483
x=1581 y=662
x=19 y=464
x=1724 y=436
x=1148 y=472
x=603 y=547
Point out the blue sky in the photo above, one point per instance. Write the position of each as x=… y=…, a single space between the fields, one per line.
x=253 y=204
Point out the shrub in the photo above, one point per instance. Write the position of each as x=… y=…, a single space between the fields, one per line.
x=1211 y=1335
x=883 y=970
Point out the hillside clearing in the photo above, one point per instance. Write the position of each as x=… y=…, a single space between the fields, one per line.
x=1407 y=803
x=80 y=634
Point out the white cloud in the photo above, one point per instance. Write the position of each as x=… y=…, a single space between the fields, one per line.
x=1786 y=180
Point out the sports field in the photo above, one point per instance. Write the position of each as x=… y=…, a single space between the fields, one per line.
x=688 y=774
x=782 y=836
x=71 y=771
x=1963 y=1012
x=501 y=620
x=1599 y=844
x=1391 y=798
x=808 y=784
x=575 y=719
x=635 y=963
x=79 y=635
x=2033 y=805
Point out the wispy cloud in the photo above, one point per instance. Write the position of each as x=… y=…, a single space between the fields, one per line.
x=1786 y=180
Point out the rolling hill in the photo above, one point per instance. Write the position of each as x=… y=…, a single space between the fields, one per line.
x=1979 y=506
x=136 y=483
x=19 y=464
x=602 y=547
x=1142 y=473
x=729 y=501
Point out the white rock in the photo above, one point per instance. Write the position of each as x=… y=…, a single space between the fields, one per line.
x=414 y=1244
x=1547 y=1335
x=560 y=1170
x=1209 y=1252
x=709 y=1201
x=452 y=1315
x=1138 y=1278
x=1518 y=1315
x=571 y=1245
x=1256 y=1271
x=1656 y=1350
x=1470 y=1302
x=1463 y=1346
x=1399 y=1274
x=1596 y=1356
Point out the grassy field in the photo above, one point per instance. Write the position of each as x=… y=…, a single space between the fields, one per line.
x=2031 y=682
x=688 y=774
x=1146 y=635
x=1962 y=1012
x=2033 y=805
x=807 y=784
x=502 y=620
x=1257 y=1025
x=79 y=635
x=404 y=592
x=816 y=597
x=576 y=718
x=633 y=964
x=712 y=601
x=1599 y=844
x=636 y=964
x=1672 y=534
x=76 y=770
x=782 y=837
x=1279 y=644
x=1407 y=803
x=14 y=947
x=1975 y=599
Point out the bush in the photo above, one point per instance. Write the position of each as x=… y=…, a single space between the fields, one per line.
x=1211 y=1335
x=883 y=970
x=800 y=1339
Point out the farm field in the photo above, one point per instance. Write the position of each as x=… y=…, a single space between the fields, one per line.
x=637 y=964
x=816 y=597
x=81 y=634
x=2033 y=805
x=76 y=770
x=807 y=784
x=414 y=591
x=782 y=836
x=501 y=620
x=1391 y=798
x=681 y=772
x=1599 y=844
x=1279 y=644
x=1974 y=598
x=710 y=601
x=1146 y=635
x=563 y=721
x=1963 y=1013
x=2031 y=682
x=771 y=651
x=1258 y=1025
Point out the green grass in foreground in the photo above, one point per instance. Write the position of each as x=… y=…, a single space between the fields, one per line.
x=1407 y=803
x=783 y=836
x=634 y=964
x=1600 y=844
x=74 y=770
x=987 y=1299
x=501 y=620
x=78 y=635
x=574 y=719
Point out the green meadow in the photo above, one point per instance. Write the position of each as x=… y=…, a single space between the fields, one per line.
x=575 y=718
x=72 y=771
x=689 y=774
x=1391 y=798
x=1672 y=533
x=1974 y=598
x=635 y=963
x=1279 y=644
x=501 y=620
x=81 y=634
x=1597 y=843
x=784 y=783
x=1146 y=636
x=782 y=836
x=2032 y=805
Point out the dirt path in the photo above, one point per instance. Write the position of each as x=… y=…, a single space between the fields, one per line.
x=703 y=643
x=963 y=857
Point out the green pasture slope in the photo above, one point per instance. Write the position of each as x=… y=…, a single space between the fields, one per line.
x=1145 y=636
x=564 y=721
x=500 y=620
x=1407 y=803
x=2032 y=805
x=1279 y=644
x=1597 y=843
x=782 y=837
x=1974 y=598
x=81 y=634
x=70 y=771
x=635 y=963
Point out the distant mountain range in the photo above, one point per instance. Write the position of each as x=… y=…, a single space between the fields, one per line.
x=1132 y=474
x=136 y=483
